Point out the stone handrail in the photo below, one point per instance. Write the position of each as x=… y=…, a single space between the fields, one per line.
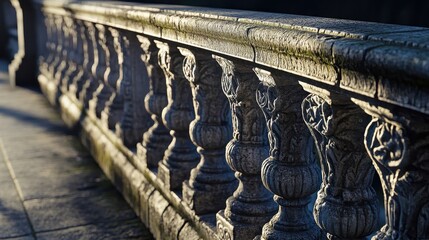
x=200 y=116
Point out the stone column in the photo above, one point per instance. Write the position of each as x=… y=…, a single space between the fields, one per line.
x=157 y=138
x=346 y=205
x=211 y=182
x=291 y=171
x=181 y=155
x=397 y=142
x=252 y=204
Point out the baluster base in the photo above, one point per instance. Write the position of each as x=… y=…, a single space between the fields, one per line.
x=155 y=142
x=227 y=229
x=173 y=176
x=200 y=196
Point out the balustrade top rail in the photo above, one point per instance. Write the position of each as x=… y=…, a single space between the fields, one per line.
x=381 y=61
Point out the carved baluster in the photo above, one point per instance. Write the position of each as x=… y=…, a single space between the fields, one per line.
x=73 y=56
x=212 y=181
x=252 y=204
x=346 y=205
x=60 y=73
x=48 y=56
x=102 y=94
x=90 y=82
x=398 y=143
x=133 y=87
x=157 y=138
x=58 y=22
x=113 y=77
x=181 y=155
x=291 y=171
x=78 y=80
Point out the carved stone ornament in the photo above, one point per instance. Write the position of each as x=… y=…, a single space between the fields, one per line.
x=157 y=138
x=398 y=146
x=346 y=205
x=290 y=171
x=181 y=155
x=252 y=204
x=212 y=180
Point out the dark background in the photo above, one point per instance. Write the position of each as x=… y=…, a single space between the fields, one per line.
x=405 y=12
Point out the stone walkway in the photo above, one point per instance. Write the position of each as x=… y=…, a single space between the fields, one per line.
x=50 y=187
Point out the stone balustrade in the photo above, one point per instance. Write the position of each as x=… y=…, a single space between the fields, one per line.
x=225 y=124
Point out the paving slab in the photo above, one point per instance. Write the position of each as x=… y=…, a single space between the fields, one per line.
x=50 y=187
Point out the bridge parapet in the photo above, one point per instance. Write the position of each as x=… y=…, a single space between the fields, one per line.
x=174 y=101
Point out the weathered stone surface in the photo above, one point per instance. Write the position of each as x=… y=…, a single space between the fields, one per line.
x=52 y=168
x=418 y=38
x=111 y=230
x=145 y=191
x=172 y=223
x=188 y=233
x=77 y=210
x=157 y=204
x=13 y=221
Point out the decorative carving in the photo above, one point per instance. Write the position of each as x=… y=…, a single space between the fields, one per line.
x=157 y=138
x=252 y=204
x=103 y=93
x=291 y=171
x=181 y=155
x=398 y=149
x=212 y=180
x=347 y=172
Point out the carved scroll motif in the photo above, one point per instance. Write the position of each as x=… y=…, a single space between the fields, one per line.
x=157 y=138
x=181 y=155
x=347 y=172
x=290 y=172
x=400 y=156
x=252 y=204
x=211 y=180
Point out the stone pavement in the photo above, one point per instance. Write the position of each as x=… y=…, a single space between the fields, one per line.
x=50 y=187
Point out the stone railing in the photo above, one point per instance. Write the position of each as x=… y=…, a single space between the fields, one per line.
x=225 y=124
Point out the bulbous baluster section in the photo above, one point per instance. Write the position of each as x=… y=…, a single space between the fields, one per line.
x=398 y=142
x=251 y=205
x=211 y=182
x=291 y=171
x=157 y=138
x=181 y=155
x=346 y=205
